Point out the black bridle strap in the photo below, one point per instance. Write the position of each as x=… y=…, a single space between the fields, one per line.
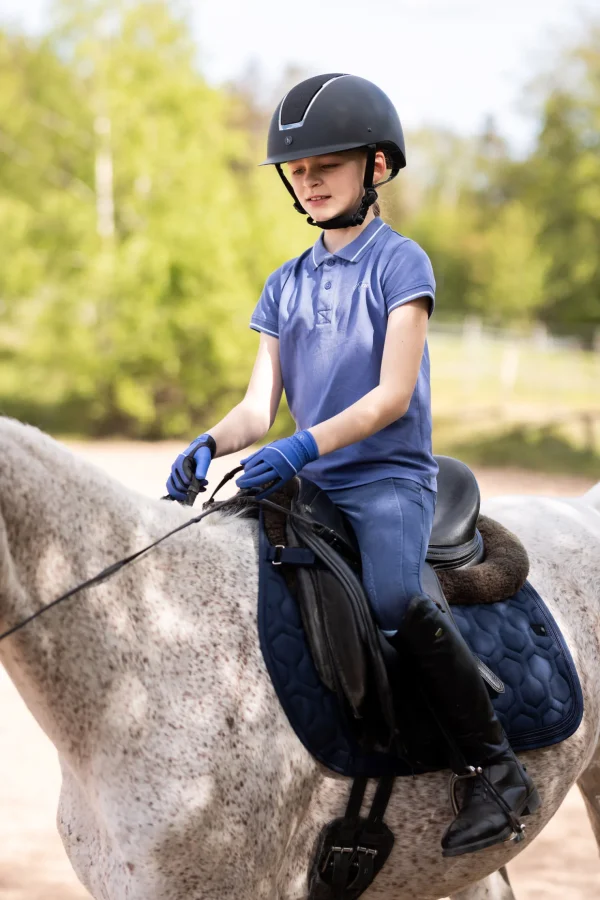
x=222 y=482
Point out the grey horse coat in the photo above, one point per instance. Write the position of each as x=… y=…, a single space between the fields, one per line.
x=182 y=777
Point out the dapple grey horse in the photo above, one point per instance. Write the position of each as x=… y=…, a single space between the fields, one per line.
x=182 y=778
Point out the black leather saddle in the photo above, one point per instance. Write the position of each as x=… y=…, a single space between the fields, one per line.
x=352 y=657
x=455 y=540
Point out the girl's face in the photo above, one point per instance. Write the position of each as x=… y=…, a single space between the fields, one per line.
x=329 y=185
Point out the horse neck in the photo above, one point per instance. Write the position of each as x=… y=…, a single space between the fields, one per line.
x=592 y=498
x=61 y=522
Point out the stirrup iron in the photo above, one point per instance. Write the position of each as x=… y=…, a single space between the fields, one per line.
x=518 y=827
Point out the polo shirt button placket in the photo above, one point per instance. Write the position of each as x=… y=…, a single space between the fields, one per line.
x=325 y=306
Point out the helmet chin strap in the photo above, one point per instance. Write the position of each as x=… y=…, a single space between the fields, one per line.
x=347 y=219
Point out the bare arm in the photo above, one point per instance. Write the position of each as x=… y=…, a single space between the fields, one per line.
x=251 y=419
x=402 y=352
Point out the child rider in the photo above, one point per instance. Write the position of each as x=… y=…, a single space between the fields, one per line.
x=343 y=328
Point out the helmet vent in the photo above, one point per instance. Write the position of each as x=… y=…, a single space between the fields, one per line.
x=295 y=104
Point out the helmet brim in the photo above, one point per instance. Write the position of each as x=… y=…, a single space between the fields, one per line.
x=312 y=151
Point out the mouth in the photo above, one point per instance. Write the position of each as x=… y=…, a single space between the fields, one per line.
x=318 y=199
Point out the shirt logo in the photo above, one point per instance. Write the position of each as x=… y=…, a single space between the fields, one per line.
x=361 y=284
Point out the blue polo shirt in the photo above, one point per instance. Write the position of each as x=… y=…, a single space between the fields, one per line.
x=330 y=311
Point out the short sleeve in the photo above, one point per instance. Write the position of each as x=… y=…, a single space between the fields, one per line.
x=408 y=275
x=266 y=312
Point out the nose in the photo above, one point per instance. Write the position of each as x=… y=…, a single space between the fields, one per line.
x=312 y=177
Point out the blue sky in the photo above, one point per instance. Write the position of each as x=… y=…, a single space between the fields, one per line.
x=443 y=62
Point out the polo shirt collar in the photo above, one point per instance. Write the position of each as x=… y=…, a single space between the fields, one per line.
x=353 y=251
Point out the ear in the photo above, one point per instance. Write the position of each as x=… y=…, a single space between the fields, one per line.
x=380 y=167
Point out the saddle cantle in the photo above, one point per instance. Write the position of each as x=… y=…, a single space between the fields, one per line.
x=455 y=539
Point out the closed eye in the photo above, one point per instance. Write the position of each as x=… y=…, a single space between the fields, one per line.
x=324 y=166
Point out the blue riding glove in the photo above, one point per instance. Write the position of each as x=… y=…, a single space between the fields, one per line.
x=278 y=462
x=194 y=460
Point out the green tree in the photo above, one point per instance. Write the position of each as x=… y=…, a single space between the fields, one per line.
x=562 y=181
x=136 y=318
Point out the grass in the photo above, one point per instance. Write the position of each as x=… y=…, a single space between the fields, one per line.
x=510 y=402
x=542 y=449
x=490 y=372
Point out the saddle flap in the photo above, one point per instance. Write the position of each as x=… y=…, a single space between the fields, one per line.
x=334 y=636
x=346 y=611
x=310 y=589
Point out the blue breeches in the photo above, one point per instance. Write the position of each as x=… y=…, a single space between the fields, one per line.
x=392 y=520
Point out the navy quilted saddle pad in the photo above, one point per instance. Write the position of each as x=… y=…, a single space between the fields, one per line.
x=517 y=639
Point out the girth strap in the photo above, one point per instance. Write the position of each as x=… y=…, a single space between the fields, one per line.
x=352 y=850
x=340 y=857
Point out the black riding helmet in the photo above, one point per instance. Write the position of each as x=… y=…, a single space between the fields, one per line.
x=329 y=113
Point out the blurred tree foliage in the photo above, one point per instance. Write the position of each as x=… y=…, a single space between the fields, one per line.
x=561 y=181
x=138 y=230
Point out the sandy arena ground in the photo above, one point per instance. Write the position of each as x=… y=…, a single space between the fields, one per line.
x=562 y=864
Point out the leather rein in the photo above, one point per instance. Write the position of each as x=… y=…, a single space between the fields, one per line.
x=109 y=571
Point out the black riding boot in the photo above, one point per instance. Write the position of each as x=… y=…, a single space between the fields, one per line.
x=498 y=789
